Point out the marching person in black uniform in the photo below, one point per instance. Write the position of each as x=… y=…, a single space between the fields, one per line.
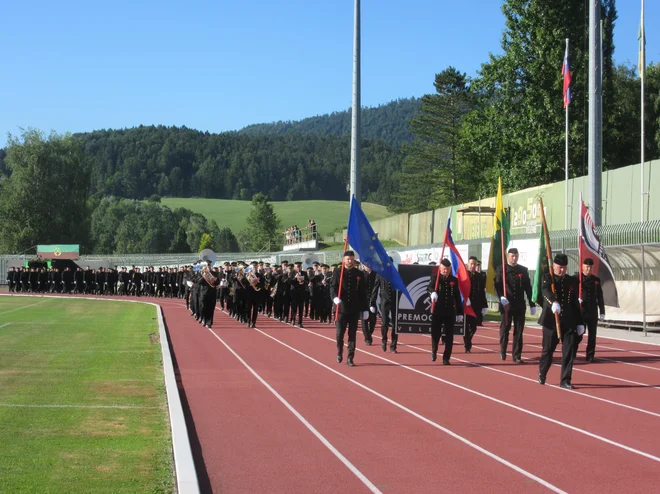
x=513 y=307
x=387 y=301
x=369 y=324
x=448 y=310
x=352 y=303
x=591 y=302
x=565 y=303
x=477 y=301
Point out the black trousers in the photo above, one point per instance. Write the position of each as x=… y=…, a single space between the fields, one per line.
x=343 y=322
x=443 y=326
x=470 y=329
x=368 y=326
x=517 y=316
x=591 y=323
x=297 y=306
x=385 y=323
x=550 y=342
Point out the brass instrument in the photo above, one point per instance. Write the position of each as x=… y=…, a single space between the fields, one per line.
x=209 y=278
x=301 y=278
x=253 y=279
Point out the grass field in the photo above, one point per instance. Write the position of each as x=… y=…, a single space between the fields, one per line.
x=328 y=215
x=82 y=399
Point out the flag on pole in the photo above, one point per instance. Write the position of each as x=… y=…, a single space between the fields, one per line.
x=641 y=37
x=500 y=226
x=363 y=239
x=459 y=270
x=566 y=72
x=590 y=246
x=542 y=266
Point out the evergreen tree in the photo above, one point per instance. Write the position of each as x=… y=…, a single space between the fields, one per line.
x=434 y=171
x=206 y=242
x=263 y=231
x=226 y=241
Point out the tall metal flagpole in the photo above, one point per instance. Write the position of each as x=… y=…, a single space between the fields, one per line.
x=595 y=109
x=356 y=108
x=566 y=158
x=642 y=74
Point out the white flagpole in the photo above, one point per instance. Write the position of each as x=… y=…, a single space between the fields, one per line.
x=642 y=71
x=566 y=160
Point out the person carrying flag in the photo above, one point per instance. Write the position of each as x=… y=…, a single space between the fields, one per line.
x=512 y=306
x=387 y=301
x=591 y=291
x=477 y=301
x=447 y=310
x=563 y=300
x=349 y=293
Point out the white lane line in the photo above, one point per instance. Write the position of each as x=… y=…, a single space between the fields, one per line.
x=496 y=400
x=578 y=369
x=604 y=347
x=21 y=308
x=475 y=364
x=5 y=325
x=302 y=419
x=118 y=407
x=421 y=417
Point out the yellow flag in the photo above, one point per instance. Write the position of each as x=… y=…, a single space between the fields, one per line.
x=499 y=242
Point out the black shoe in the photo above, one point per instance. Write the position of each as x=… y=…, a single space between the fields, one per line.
x=434 y=356
x=567 y=386
x=350 y=362
x=591 y=359
x=446 y=362
x=467 y=350
x=339 y=359
x=503 y=355
x=300 y=325
x=367 y=342
x=393 y=350
x=518 y=361
x=541 y=379
x=383 y=345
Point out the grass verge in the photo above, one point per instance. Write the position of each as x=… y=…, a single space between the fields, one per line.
x=82 y=398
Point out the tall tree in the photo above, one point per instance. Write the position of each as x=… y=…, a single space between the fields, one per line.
x=44 y=200
x=226 y=241
x=518 y=131
x=263 y=231
x=434 y=171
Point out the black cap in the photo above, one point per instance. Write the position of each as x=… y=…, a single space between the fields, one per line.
x=473 y=258
x=588 y=261
x=446 y=262
x=432 y=263
x=298 y=263
x=512 y=250
x=349 y=253
x=561 y=260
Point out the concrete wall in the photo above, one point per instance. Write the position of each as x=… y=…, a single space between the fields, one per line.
x=621 y=204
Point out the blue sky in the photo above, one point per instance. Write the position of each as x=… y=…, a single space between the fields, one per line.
x=221 y=65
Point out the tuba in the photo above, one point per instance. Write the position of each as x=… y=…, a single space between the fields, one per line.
x=207 y=255
x=253 y=279
x=209 y=278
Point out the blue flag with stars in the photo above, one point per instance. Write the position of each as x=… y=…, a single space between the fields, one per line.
x=364 y=241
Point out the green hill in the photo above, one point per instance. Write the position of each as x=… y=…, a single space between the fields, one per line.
x=329 y=215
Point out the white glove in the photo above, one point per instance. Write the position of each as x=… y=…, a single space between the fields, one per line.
x=580 y=330
x=484 y=311
x=459 y=318
x=468 y=303
x=602 y=317
x=504 y=301
x=365 y=314
x=580 y=300
x=434 y=296
x=372 y=309
x=532 y=311
x=336 y=300
x=556 y=308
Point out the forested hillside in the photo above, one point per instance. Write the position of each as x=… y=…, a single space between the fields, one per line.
x=388 y=122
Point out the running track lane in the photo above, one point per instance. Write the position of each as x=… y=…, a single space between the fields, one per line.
x=250 y=442
x=564 y=457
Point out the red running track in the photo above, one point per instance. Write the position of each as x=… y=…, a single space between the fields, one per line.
x=271 y=411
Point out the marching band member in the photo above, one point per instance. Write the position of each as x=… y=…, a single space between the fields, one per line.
x=448 y=309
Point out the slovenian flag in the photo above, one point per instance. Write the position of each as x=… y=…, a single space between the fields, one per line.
x=459 y=270
x=566 y=72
